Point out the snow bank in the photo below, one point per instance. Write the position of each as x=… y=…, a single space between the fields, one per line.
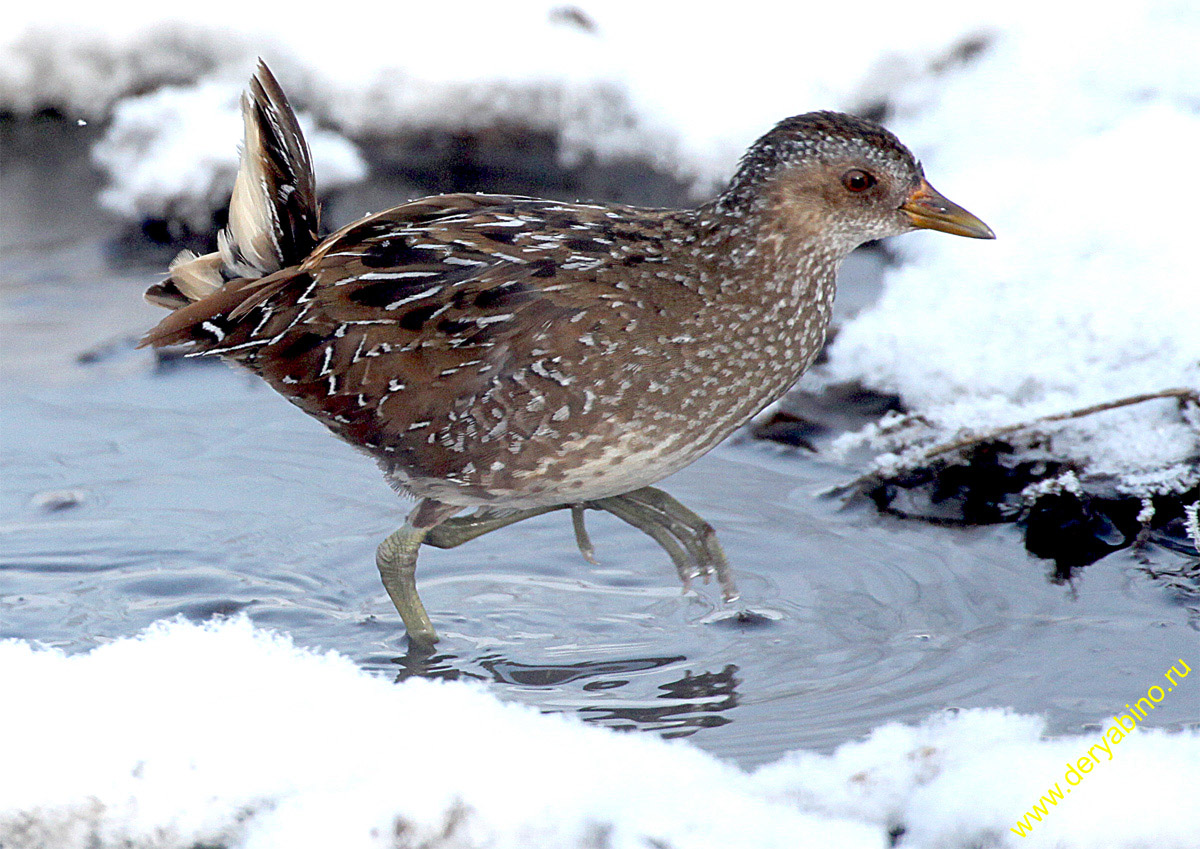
x=172 y=154
x=1075 y=150
x=681 y=86
x=223 y=735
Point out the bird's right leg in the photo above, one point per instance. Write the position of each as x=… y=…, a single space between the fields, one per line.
x=396 y=558
x=690 y=541
x=627 y=511
x=694 y=532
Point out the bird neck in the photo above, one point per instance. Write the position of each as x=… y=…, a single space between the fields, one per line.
x=760 y=252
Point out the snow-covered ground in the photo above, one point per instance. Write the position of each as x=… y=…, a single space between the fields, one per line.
x=169 y=154
x=683 y=86
x=222 y=735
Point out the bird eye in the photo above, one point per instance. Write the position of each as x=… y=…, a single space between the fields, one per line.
x=858 y=181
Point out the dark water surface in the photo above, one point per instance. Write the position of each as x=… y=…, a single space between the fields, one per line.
x=134 y=491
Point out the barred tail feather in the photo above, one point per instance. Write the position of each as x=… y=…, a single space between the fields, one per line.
x=273 y=215
x=274 y=220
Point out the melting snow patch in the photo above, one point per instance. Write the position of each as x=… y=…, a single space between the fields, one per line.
x=225 y=735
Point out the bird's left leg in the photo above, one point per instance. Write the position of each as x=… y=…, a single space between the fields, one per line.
x=628 y=512
x=454 y=532
x=396 y=558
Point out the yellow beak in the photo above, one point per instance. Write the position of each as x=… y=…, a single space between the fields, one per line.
x=927 y=208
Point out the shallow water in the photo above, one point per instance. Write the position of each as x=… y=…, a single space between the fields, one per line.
x=134 y=491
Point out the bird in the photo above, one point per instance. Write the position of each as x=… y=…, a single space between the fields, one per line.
x=501 y=357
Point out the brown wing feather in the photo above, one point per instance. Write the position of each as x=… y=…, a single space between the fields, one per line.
x=425 y=328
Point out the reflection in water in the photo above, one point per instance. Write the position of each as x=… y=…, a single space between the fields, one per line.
x=426 y=662
x=682 y=707
x=690 y=703
x=505 y=671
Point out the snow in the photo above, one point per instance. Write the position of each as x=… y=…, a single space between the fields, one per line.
x=1078 y=162
x=221 y=734
x=966 y=779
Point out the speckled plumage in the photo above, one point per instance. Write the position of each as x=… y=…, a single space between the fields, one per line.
x=498 y=350
x=493 y=350
x=509 y=352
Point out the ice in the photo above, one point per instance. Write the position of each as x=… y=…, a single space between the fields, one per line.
x=221 y=734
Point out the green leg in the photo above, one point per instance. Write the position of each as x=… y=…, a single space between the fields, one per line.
x=581 y=535
x=690 y=541
x=628 y=512
x=396 y=558
x=709 y=552
x=454 y=532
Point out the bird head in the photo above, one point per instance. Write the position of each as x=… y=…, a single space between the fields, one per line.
x=838 y=180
